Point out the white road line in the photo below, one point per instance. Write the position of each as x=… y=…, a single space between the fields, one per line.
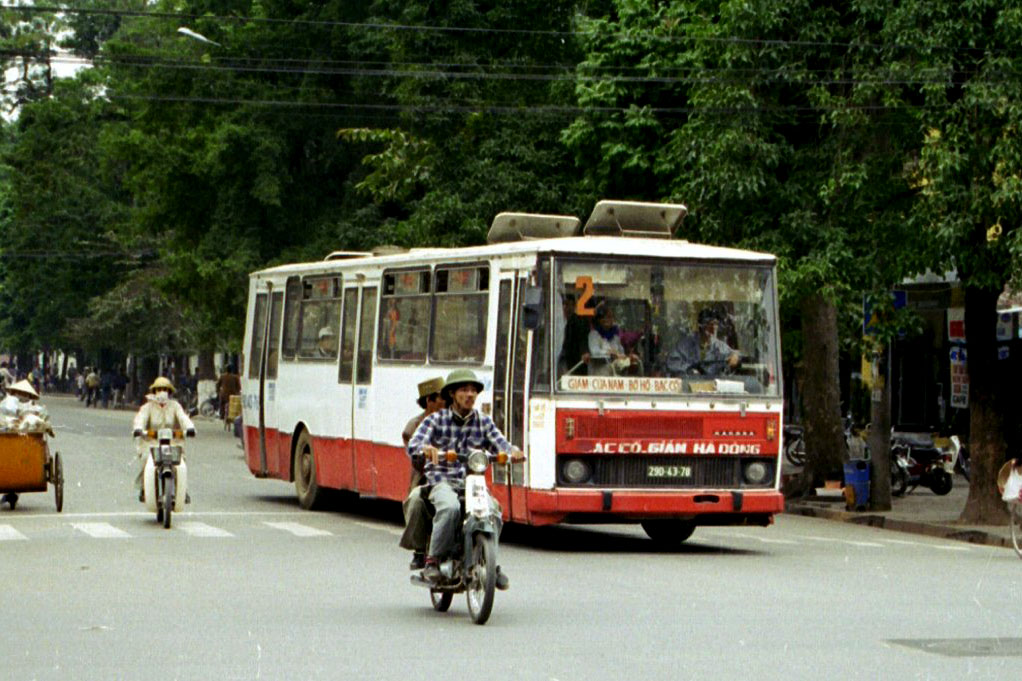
x=765 y=540
x=299 y=530
x=904 y=542
x=8 y=533
x=197 y=529
x=379 y=526
x=864 y=543
x=101 y=530
x=949 y=547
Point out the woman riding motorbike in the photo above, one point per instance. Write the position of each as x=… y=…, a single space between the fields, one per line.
x=159 y=411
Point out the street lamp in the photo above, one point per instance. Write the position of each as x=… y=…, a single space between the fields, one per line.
x=196 y=36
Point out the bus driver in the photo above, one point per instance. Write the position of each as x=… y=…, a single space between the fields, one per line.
x=459 y=427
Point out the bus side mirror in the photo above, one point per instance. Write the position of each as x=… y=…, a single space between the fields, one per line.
x=532 y=307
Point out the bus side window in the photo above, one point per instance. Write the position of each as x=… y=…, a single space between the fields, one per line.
x=365 y=338
x=292 y=307
x=320 y=318
x=404 y=318
x=461 y=304
x=258 y=329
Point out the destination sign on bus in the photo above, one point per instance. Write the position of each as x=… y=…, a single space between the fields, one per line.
x=621 y=384
x=674 y=447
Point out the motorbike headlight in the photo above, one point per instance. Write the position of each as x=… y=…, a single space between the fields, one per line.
x=576 y=471
x=755 y=473
x=478 y=461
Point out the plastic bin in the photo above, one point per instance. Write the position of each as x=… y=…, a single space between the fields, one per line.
x=857 y=477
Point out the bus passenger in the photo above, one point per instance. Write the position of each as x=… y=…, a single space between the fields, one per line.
x=326 y=345
x=459 y=427
x=574 y=355
x=418 y=524
x=702 y=353
x=605 y=343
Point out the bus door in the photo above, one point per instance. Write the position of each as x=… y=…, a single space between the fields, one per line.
x=346 y=379
x=362 y=395
x=510 y=394
x=265 y=356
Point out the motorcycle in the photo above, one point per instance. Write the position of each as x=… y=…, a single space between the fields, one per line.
x=794 y=445
x=916 y=460
x=960 y=457
x=165 y=478
x=473 y=568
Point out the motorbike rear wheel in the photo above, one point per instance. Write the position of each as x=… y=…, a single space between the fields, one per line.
x=168 y=500
x=441 y=600
x=1015 y=518
x=481 y=579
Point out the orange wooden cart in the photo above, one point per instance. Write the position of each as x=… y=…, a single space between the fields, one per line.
x=27 y=466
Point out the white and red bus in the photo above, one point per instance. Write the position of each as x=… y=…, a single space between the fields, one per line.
x=334 y=351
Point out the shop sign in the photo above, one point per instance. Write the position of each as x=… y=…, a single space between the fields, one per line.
x=959 y=379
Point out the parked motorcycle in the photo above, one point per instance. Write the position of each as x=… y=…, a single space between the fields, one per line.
x=165 y=478
x=959 y=457
x=916 y=460
x=794 y=445
x=474 y=569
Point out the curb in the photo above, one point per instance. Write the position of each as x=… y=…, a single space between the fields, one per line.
x=970 y=535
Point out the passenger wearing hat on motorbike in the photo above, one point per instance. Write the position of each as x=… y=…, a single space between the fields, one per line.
x=159 y=411
x=418 y=523
x=461 y=428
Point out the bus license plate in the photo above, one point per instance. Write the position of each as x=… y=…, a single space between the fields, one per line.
x=668 y=471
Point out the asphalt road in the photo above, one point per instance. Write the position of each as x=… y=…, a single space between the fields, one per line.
x=247 y=586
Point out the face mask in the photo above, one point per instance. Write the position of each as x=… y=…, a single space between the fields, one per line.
x=162 y=397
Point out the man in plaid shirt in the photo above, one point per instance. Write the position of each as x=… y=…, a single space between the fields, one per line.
x=461 y=428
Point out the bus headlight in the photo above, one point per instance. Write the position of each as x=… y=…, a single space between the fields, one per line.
x=755 y=473
x=478 y=461
x=576 y=471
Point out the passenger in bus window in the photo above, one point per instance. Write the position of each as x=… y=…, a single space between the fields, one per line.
x=703 y=353
x=605 y=344
x=326 y=346
x=574 y=355
x=418 y=524
x=461 y=428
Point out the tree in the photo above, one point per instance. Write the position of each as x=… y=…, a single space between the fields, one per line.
x=969 y=179
x=759 y=118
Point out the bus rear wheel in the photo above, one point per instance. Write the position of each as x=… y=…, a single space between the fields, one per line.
x=306 y=484
x=668 y=532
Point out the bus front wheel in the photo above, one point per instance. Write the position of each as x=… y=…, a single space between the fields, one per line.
x=305 y=472
x=668 y=532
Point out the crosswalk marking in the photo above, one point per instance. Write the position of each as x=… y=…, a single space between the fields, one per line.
x=299 y=530
x=8 y=533
x=101 y=530
x=197 y=529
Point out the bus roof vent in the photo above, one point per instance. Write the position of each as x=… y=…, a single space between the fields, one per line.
x=344 y=255
x=522 y=226
x=635 y=218
x=388 y=249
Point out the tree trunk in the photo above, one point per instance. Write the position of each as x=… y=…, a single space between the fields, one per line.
x=825 y=444
x=206 y=369
x=880 y=435
x=987 y=442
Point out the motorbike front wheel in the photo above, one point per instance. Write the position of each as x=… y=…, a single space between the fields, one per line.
x=482 y=578
x=899 y=480
x=941 y=482
x=1015 y=513
x=441 y=599
x=168 y=500
x=207 y=408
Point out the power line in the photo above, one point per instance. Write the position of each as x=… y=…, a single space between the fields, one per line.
x=777 y=42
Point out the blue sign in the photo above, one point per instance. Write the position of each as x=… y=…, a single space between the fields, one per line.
x=869 y=316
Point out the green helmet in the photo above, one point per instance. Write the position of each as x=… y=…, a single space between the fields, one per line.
x=457 y=378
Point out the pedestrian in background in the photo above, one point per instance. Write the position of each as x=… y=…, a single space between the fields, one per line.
x=228 y=384
x=91 y=387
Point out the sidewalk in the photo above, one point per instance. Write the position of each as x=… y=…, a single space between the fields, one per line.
x=920 y=512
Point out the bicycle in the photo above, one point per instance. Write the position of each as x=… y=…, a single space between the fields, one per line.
x=1014 y=504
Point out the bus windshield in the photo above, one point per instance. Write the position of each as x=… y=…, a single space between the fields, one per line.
x=658 y=328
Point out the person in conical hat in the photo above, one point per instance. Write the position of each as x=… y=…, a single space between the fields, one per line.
x=160 y=411
x=24 y=391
